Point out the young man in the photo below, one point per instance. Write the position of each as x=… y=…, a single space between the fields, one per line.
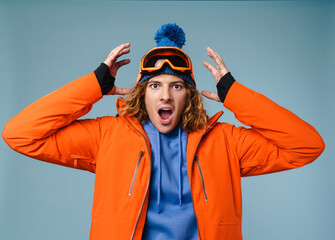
x=164 y=170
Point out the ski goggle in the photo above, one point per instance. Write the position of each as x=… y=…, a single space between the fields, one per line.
x=155 y=59
x=175 y=57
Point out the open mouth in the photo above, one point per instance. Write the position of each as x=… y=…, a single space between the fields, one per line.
x=165 y=115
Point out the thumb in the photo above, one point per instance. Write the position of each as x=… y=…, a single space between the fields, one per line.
x=122 y=91
x=211 y=95
x=119 y=91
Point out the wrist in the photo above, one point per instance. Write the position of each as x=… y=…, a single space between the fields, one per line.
x=224 y=85
x=105 y=79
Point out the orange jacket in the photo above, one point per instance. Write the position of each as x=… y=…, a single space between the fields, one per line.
x=118 y=150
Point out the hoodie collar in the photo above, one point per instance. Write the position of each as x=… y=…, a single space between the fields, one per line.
x=156 y=143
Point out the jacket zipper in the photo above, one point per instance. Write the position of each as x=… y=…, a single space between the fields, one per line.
x=192 y=171
x=146 y=191
x=135 y=172
x=202 y=178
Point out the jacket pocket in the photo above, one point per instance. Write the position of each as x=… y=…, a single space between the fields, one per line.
x=202 y=178
x=135 y=172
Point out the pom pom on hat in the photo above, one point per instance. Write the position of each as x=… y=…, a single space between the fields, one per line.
x=170 y=35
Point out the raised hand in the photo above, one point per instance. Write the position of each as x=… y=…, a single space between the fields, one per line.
x=218 y=72
x=114 y=65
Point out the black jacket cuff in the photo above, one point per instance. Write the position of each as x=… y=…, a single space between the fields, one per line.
x=224 y=85
x=105 y=79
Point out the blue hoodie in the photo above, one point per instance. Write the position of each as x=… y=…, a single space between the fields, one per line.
x=170 y=212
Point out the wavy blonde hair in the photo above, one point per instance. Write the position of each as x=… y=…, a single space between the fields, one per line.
x=194 y=117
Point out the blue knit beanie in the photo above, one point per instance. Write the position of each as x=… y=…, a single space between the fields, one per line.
x=169 y=35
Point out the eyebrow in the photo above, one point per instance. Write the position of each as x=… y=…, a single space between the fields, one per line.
x=179 y=81
x=182 y=82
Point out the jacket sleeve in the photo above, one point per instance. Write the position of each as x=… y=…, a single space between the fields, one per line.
x=48 y=129
x=277 y=140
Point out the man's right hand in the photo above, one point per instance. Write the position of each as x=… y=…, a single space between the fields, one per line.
x=111 y=62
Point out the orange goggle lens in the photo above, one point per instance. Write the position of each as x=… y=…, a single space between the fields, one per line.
x=157 y=57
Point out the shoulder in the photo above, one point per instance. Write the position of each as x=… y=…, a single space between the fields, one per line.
x=229 y=130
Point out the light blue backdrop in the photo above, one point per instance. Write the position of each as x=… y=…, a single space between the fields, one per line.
x=284 y=50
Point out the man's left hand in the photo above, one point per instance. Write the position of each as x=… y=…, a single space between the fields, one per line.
x=218 y=72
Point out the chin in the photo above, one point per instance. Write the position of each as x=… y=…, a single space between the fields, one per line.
x=165 y=129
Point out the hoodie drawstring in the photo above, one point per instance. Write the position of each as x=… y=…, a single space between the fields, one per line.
x=159 y=173
x=180 y=165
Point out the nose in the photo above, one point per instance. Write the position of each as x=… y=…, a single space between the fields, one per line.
x=165 y=94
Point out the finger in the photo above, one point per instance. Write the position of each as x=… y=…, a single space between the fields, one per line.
x=122 y=63
x=217 y=55
x=210 y=52
x=222 y=65
x=210 y=95
x=124 y=51
x=116 y=51
x=113 y=55
x=121 y=91
x=217 y=59
x=210 y=67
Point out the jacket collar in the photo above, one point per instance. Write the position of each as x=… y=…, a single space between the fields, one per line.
x=133 y=124
x=131 y=120
x=193 y=137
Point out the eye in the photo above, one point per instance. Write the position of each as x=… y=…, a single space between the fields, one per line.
x=177 y=86
x=154 y=86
